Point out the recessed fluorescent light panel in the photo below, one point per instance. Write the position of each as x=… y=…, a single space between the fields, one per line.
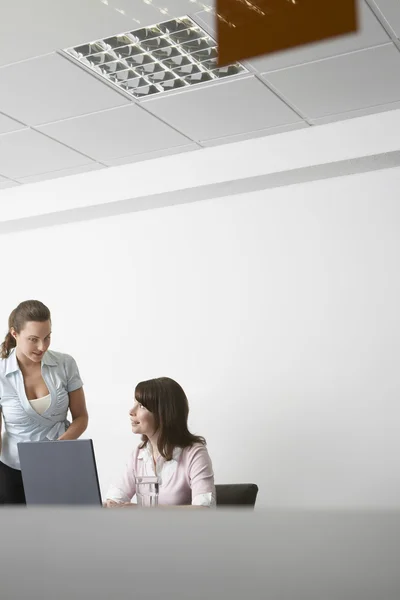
x=168 y=56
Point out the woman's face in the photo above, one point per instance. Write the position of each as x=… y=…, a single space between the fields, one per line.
x=33 y=340
x=142 y=420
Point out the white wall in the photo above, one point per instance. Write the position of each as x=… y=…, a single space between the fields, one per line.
x=278 y=312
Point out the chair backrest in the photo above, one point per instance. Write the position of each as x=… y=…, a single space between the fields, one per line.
x=237 y=494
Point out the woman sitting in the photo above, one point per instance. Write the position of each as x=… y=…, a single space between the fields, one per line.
x=168 y=450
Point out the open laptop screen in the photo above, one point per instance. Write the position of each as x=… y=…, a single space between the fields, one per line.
x=60 y=472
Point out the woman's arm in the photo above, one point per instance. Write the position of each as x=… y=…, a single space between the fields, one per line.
x=201 y=476
x=80 y=417
x=121 y=493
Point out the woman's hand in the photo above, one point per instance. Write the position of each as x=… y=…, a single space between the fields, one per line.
x=109 y=503
x=113 y=504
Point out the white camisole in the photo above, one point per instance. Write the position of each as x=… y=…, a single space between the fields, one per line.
x=40 y=404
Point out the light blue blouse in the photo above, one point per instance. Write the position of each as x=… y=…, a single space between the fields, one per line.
x=21 y=422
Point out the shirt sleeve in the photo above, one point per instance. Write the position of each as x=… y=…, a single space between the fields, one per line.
x=74 y=381
x=124 y=488
x=201 y=478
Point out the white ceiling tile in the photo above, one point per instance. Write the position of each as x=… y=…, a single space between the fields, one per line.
x=391 y=11
x=255 y=134
x=51 y=88
x=27 y=152
x=354 y=114
x=337 y=85
x=226 y=108
x=370 y=33
x=7 y=124
x=31 y=28
x=61 y=173
x=152 y=155
x=115 y=133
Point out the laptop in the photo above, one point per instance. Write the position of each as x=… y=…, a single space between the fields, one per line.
x=60 y=472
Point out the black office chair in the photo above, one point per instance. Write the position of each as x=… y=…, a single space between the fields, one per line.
x=237 y=494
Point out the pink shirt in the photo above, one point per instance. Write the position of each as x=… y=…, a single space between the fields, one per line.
x=186 y=479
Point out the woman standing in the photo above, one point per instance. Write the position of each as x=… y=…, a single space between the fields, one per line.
x=37 y=387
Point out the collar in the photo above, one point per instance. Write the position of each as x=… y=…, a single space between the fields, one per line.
x=12 y=364
x=147 y=454
x=49 y=359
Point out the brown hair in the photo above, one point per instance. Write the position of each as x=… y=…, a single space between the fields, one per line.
x=165 y=398
x=30 y=310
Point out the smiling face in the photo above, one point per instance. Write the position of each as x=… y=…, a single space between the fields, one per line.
x=142 y=420
x=33 y=340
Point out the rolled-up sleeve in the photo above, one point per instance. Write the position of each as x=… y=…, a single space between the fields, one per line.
x=201 y=478
x=124 y=488
x=74 y=381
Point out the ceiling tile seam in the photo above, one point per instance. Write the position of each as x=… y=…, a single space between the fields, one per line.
x=266 y=129
x=36 y=126
x=315 y=120
x=23 y=179
x=81 y=116
x=12 y=119
x=5 y=133
x=254 y=70
x=142 y=106
x=283 y=99
x=8 y=178
x=380 y=17
x=327 y=58
x=69 y=147
x=127 y=156
x=24 y=60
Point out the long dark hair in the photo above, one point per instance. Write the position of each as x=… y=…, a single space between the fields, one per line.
x=165 y=398
x=30 y=310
